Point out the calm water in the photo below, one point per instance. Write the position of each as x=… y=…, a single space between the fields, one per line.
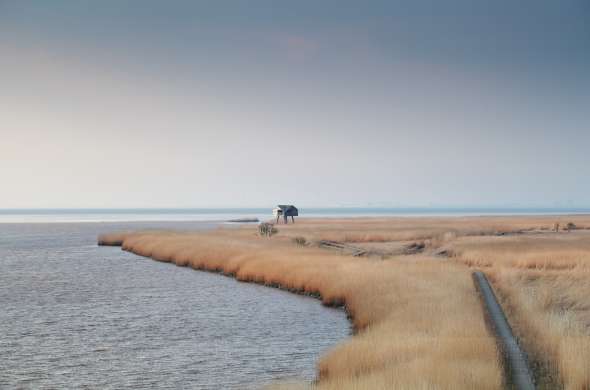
x=125 y=215
x=74 y=315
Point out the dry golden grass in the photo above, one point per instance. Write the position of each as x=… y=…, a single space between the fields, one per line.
x=547 y=251
x=419 y=321
x=551 y=311
x=419 y=228
x=544 y=281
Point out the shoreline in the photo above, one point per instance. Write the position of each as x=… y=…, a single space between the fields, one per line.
x=312 y=294
x=340 y=305
x=401 y=304
x=241 y=254
x=335 y=304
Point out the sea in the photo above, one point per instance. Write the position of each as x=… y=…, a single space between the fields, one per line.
x=74 y=315
x=226 y=214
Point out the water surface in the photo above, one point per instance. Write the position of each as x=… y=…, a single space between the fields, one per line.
x=224 y=214
x=74 y=315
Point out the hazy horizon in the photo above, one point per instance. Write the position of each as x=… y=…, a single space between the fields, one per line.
x=181 y=104
x=314 y=209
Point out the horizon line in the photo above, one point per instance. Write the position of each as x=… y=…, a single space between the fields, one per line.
x=222 y=208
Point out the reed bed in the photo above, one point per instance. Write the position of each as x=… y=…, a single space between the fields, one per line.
x=409 y=330
x=544 y=282
x=551 y=312
x=417 y=319
x=422 y=228
x=563 y=251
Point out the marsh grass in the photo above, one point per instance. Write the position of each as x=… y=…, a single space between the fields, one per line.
x=418 y=323
x=417 y=319
x=544 y=282
x=421 y=228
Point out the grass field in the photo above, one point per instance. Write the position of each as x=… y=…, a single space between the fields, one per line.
x=418 y=320
x=544 y=281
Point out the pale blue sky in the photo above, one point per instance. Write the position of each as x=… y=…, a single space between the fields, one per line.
x=250 y=103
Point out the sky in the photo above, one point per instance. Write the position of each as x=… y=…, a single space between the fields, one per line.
x=141 y=103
